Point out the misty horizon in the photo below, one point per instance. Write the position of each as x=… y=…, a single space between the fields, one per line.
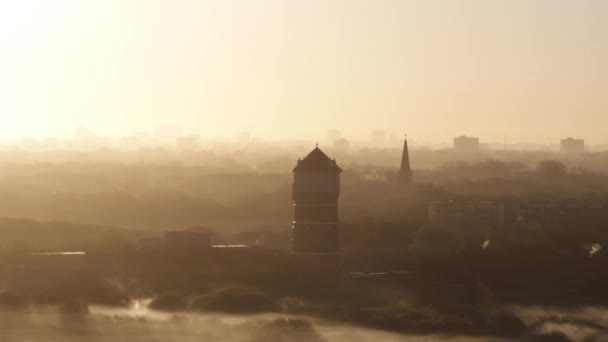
x=169 y=135
x=306 y=171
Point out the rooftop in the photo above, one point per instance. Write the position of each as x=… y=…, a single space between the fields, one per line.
x=317 y=160
x=59 y=253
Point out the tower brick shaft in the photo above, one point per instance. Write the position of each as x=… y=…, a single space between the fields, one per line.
x=316 y=188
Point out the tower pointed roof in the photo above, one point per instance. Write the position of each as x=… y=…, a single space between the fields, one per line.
x=317 y=160
x=405 y=157
x=405 y=172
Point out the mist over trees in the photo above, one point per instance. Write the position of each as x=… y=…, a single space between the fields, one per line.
x=251 y=188
x=101 y=202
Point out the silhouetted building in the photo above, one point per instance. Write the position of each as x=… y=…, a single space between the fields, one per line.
x=316 y=188
x=244 y=137
x=466 y=144
x=341 y=144
x=405 y=172
x=565 y=216
x=572 y=146
x=57 y=261
x=85 y=139
x=479 y=213
x=189 y=142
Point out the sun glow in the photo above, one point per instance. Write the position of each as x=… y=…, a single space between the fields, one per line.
x=220 y=68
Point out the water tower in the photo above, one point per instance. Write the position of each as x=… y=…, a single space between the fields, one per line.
x=316 y=188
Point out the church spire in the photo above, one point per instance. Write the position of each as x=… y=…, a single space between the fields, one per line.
x=405 y=172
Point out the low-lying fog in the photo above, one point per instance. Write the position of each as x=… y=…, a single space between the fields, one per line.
x=141 y=324
x=138 y=323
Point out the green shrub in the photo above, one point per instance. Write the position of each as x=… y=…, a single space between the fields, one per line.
x=285 y=329
x=409 y=319
x=74 y=307
x=551 y=337
x=235 y=299
x=505 y=324
x=85 y=286
x=11 y=301
x=169 y=302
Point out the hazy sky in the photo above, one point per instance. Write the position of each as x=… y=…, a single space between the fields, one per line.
x=536 y=70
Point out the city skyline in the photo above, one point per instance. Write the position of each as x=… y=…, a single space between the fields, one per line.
x=169 y=135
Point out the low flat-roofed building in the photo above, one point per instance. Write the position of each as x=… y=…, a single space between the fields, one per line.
x=57 y=261
x=467 y=212
x=572 y=146
x=465 y=144
x=570 y=216
x=243 y=251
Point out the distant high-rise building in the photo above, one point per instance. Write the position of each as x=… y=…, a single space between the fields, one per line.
x=316 y=188
x=85 y=139
x=85 y=134
x=244 y=137
x=405 y=172
x=379 y=138
x=466 y=144
x=189 y=143
x=341 y=144
x=573 y=146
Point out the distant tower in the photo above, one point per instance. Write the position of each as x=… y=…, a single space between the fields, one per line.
x=573 y=146
x=464 y=144
x=316 y=187
x=405 y=172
